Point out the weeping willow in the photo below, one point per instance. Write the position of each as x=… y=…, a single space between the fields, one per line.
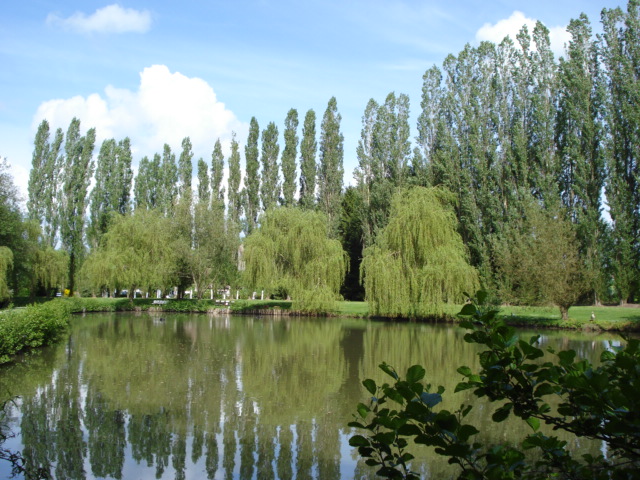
x=418 y=262
x=6 y=263
x=291 y=251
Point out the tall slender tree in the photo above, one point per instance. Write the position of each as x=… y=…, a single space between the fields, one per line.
x=204 y=190
x=77 y=173
x=235 y=195
x=167 y=182
x=123 y=177
x=621 y=57
x=147 y=189
x=270 y=184
x=217 y=173
x=252 y=179
x=44 y=181
x=308 y=167
x=579 y=136
x=289 y=155
x=331 y=172
x=101 y=199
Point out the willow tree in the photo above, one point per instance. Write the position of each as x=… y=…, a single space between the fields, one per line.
x=292 y=252
x=418 y=262
x=138 y=251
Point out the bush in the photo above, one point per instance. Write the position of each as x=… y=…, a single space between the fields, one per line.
x=600 y=403
x=32 y=327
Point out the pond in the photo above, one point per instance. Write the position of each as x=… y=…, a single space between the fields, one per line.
x=196 y=396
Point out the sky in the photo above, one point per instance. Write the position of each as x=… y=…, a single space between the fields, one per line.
x=158 y=71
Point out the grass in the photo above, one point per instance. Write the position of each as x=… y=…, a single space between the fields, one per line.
x=606 y=318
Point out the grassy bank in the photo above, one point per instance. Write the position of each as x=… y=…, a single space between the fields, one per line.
x=42 y=323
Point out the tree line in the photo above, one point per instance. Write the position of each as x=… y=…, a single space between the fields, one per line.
x=539 y=156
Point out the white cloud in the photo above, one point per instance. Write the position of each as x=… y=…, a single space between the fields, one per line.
x=165 y=108
x=109 y=19
x=495 y=33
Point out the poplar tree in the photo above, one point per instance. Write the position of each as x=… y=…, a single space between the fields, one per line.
x=270 y=185
x=621 y=57
x=101 y=196
x=579 y=138
x=185 y=171
x=235 y=195
x=77 y=173
x=217 y=172
x=167 y=182
x=147 y=190
x=289 y=155
x=37 y=179
x=204 y=190
x=331 y=171
x=308 y=168
x=44 y=181
x=252 y=179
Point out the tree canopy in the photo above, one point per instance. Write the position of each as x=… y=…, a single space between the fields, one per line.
x=418 y=261
x=292 y=251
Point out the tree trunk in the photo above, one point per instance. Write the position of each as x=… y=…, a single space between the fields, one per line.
x=72 y=272
x=564 y=312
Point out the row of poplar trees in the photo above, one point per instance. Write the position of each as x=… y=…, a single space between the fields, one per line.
x=77 y=219
x=503 y=127
x=506 y=126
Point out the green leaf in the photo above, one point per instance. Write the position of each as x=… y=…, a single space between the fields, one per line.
x=389 y=370
x=415 y=373
x=502 y=413
x=468 y=309
x=566 y=357
x=370 y=385
x=363 y=410
x=466 y=371
x=359 y=441
x=534 y=423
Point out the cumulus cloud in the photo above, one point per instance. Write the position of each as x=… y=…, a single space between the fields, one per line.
x=109 y=19
x=165 y=108
x=558 y=35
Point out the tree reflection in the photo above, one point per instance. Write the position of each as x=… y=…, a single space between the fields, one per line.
x=266 y=398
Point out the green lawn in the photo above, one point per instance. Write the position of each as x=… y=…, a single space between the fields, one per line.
x=606 y=318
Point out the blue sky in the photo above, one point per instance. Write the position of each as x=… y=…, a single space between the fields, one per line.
x=159 y=71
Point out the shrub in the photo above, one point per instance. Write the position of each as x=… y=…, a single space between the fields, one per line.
x=599 y=403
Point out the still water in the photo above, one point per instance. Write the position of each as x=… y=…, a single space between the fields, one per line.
x=143 y=396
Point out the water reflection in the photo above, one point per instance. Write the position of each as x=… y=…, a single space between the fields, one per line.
x=129 y=396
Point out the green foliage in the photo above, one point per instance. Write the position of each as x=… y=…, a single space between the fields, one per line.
x=6 y=263
x=204 y=191
x=331 y=169
x=217 y=172
x=234 y=192
x=538 y=261
x=211 y=262
x=292 y=251
x=137 y=252
x=252 y=178
x=620 y=56
x=308 y=168
x=418 y=262
x=76 y=174
x=32 y=327
x=270 y=184
x=597 y=402
x=289 y=155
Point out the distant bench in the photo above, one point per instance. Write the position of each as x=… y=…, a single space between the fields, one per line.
x=159 y=302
